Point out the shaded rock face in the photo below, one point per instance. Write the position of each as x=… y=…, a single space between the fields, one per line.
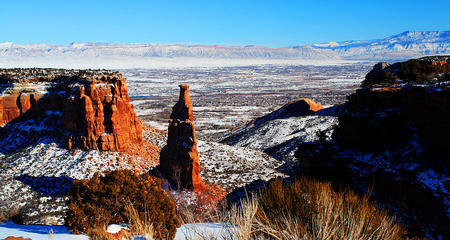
x=398 y=102
x=393 y=139
x=93 y=112
x=376 y=118
x=394 y=130
x=179 y=158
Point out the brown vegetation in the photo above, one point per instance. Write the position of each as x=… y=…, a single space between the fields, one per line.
x=304 y=209
x=15 y=238
x=322 y=213
x=104 y=200
x=200 y=206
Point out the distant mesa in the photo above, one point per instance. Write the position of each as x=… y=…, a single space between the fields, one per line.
x=179 y=158
x=91 y=107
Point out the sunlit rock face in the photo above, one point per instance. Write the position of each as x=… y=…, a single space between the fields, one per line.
x=91 y=108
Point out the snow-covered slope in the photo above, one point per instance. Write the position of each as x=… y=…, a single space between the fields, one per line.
x=35 y=177
x=280 y=137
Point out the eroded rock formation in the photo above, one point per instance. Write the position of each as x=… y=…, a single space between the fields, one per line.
x=92 y=108
x=179 y=158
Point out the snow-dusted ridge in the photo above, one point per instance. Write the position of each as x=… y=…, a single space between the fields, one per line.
x=147 y=55
x=409 y=44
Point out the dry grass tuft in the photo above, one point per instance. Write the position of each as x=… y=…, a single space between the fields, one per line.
x=137 y=225
x=319 y=212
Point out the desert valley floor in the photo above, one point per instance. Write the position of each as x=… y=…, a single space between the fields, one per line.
x=228 y=97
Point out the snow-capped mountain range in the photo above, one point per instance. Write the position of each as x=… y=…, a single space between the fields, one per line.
x=401 y=46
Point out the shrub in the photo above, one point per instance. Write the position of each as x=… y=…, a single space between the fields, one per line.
x=319 y=212
x=103 y=200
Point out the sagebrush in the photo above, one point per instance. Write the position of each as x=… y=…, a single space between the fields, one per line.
x=103 y=200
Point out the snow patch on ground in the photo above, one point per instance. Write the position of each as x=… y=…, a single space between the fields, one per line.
x=115 y=228
x=38 y=232
x=186 y=231
x=217 y=231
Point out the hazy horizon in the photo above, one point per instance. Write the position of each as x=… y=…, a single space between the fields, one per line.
x=206 y=44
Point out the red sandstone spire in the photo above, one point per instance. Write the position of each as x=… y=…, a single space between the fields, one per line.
x=183 y=108
x=179 y=158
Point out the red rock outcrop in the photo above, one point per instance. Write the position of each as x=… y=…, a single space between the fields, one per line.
x=15 y=238
x=94 y=111
x=299 y=107
x=104 y=115
x=179 y=158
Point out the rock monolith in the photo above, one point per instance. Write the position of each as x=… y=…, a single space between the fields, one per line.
x=179 y=158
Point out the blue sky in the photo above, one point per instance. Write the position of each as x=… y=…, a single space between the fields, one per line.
x=269 y=23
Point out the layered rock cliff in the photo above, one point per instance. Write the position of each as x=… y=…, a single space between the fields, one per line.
x=179 y=158
x=90 y=109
